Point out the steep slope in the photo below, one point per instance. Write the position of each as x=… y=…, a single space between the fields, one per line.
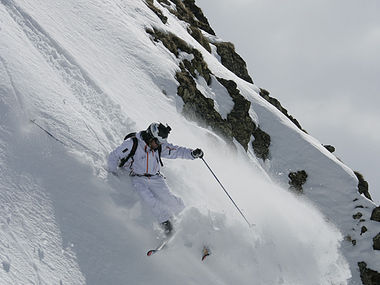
x=87 y=73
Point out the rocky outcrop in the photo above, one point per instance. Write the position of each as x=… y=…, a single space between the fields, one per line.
x=357 y=216
x=198 y=36
x=237 y=125
x=297 y=180
x=188 y=12
x=175 y=44
x=241 y=123
x=197 y=107
x=261 y=144
x=376 y=242
x=368 y=276
x=375 y=216
x=330 y=148
x=232 y=61
x=156 y=11
x=363 y=185
x=170 y=41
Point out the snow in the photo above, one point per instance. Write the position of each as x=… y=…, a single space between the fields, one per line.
x=223 y=102
x=88 y=73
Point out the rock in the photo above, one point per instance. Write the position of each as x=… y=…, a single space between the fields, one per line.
x=196 y=106
x=357 y=216
x=156 y=10
x=363 y=185
x=202 y=22
x=197 y=34
x=297 y=179
x=376 y=242
x=187 y=11
x=261 y=144
x=170 y=41
x=241 y=123
x=368 y=276
x=231 y=60
x=330 y=148
x=375 y=216
x=175 y=44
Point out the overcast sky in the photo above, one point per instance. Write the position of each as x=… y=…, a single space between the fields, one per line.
x=321 y=60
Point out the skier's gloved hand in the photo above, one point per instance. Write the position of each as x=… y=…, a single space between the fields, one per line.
x=197 y=153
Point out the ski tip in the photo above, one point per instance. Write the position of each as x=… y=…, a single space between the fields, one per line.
x=204 y=256
x=150 y=252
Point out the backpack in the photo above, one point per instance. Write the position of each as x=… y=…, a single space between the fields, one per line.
x=123 y=161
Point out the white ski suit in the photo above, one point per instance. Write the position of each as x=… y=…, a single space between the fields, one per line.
x=144 y=168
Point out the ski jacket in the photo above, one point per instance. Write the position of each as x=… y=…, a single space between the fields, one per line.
x=145 y=160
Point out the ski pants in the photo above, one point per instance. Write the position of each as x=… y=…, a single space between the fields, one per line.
x=155 y=193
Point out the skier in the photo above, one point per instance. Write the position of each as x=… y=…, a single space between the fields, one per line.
x=140 y=154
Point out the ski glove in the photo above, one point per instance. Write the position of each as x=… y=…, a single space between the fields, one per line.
x=197 y=153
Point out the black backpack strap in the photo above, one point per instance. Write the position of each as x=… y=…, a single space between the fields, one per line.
x=130 y=135
x=159 y=154
x=131 y=154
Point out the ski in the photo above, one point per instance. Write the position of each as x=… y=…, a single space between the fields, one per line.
x=205 y=252
x=161 y=246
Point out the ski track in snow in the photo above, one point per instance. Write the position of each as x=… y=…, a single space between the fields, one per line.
x=17 y=95
x=88 y=93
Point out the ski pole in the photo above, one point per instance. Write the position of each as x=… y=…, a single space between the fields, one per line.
x=241 y=213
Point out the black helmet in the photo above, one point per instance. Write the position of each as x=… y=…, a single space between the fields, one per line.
x=159 y=131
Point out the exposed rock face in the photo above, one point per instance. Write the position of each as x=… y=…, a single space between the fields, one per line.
x=261 y=144
x=197 y=34
x=198 y=14
x=156 y=10
x=197 y=107
x=375 y=216
x=170 y=41
x=187 y=11
x=241 y=123
x=376 y=242
x=232 y=60
x=190 y=13
x=363 y=185
x=368 y=276
x=297 y=179
x=238 y=124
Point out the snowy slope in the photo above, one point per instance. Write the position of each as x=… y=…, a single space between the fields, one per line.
x=88 y=73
